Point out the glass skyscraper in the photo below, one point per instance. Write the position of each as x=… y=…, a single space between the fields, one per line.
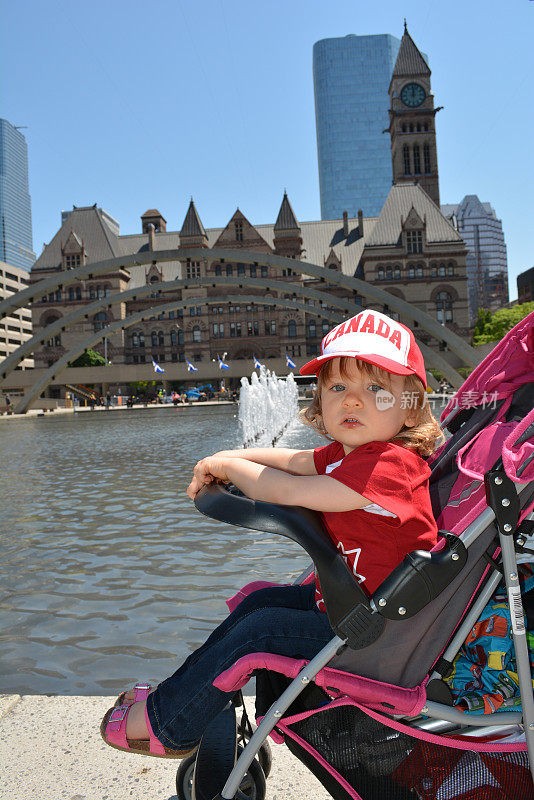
x=16 y=246
x=351 y=76
x=486 y=260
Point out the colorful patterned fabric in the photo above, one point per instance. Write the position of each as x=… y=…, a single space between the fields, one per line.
x=484 y=677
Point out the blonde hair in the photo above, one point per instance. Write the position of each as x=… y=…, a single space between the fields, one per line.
x=424 y=436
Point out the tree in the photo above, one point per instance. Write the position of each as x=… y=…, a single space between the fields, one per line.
x=89 y=359
x=492 y=327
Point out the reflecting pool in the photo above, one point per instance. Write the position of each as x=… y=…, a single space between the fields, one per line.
x=108 y=572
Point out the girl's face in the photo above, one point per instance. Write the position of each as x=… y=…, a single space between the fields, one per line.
x=357 y=409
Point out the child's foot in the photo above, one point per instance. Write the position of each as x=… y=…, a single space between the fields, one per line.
x=139 y=692
x=127 y=727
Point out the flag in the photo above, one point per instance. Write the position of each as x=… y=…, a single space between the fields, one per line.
x=257 y=364
x=222 y=365
x=157 y=367
x=191 y=367
x=289 y=362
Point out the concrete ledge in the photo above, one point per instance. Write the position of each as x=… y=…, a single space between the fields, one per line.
x=51 y=749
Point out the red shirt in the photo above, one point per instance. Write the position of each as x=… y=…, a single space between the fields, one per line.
x=398 y=519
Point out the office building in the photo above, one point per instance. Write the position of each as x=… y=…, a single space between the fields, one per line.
x=487 y=266
x=16 y=247
x=16 y=328
x=351 y=77
x=525 y=286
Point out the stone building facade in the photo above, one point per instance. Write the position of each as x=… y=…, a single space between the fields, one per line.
x=379 y=250
x=412 y=120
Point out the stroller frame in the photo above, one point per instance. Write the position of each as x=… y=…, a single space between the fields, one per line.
x=434 y=717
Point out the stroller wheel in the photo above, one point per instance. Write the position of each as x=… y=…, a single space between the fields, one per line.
x=265 y=757
x=252 y=786
x=184 y=778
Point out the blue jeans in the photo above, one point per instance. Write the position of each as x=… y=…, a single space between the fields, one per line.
x=282 y=620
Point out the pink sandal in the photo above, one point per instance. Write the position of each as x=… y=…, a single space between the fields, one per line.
x=141 y=692
x=113 y=732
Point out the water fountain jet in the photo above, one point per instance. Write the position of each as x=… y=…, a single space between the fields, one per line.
x=267 y=405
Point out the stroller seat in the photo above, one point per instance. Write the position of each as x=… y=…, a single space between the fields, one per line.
x=372 y=715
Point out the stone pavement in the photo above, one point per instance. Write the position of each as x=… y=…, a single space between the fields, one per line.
x=50 y=749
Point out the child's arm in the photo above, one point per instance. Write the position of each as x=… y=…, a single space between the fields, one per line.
x=296 y=462
x=318 y=492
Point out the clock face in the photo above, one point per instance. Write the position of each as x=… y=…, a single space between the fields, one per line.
x=412 y=95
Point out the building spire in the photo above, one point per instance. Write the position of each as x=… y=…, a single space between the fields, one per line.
x=286 y=219
x=192 y=223
x=409 y=59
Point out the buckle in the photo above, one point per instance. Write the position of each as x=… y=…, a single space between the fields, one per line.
x=119 y=714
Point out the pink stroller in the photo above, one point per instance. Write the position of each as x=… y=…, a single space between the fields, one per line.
x=372 y=715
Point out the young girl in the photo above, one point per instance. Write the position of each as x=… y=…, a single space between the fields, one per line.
x=370 y=485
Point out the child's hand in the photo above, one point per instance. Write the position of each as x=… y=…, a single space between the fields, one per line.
x=206 y=471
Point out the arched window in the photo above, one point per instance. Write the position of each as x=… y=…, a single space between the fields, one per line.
x=443 y=307
x=404 y=128
x=92 y=294
x=406 y=157
x=411 y=127
x=396 y=273
x=389 y=273
x=416 y=159
x=229 y=269
x=411 y=271
x=100 y=292
x=154 y=279
x=174 y=339
x=326 y=328
x=218 y=269
x=419 y=270
x=154 y=339
x=135 y=340
x=141 y=339
x=180 y=337
x=312 y=328
x=441 y=270
x=161 y=339
x=197 y=335
x=78 y=293
x=291 y=328
x=380 y=273
x=71 y=293
x=426 y=159
x=58 y=295
x=100 y=321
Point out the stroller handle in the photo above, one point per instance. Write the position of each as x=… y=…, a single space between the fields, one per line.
x=348 y=607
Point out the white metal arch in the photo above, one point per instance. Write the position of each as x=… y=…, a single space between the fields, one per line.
x=133 y=319
x=9 y=364
x=374 y=293
x=41 y=384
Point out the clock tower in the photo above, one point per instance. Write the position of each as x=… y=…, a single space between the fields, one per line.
x=412 y=124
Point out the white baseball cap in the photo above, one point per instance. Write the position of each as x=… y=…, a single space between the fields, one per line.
x=375 y=338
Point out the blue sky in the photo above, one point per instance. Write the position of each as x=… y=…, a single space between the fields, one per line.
x=136 y=105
